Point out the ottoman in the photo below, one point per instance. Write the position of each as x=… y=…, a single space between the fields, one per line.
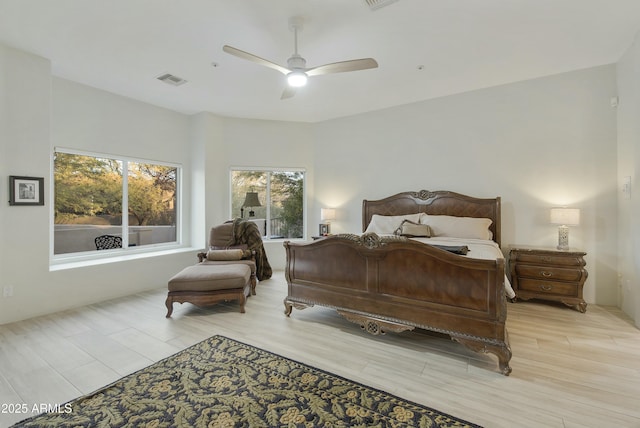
x=208 y=284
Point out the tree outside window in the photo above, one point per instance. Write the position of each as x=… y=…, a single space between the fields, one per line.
x=90 y=199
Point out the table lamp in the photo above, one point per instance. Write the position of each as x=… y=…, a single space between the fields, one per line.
x=326 y=215
x=564 y=217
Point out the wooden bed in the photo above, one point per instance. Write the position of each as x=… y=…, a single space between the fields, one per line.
x=388 y=283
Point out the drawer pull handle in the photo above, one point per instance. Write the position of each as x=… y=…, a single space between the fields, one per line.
x=546 y=258
x=545 y=287
x=546 y=274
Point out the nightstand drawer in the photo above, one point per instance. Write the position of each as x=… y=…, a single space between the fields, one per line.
x=549 y=260
x=548 y=287
x=548 y=273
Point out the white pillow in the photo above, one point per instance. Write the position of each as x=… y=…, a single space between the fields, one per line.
x=387 y=224
x=458 y=227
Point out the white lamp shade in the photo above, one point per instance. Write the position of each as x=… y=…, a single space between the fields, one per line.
x=327 y=214
x=565 y=216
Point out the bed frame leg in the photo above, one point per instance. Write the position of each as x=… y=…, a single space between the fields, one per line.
x=501 y=350
x=290 y=304
x=288 y=307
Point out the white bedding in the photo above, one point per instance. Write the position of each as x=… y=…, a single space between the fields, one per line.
x=478 y=249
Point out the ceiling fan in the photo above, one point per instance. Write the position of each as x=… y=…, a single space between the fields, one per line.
x=296 y=71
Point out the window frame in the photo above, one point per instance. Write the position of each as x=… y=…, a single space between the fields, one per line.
x=125 y=252
x=268 y=197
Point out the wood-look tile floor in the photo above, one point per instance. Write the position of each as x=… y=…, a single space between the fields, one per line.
x=569 y=369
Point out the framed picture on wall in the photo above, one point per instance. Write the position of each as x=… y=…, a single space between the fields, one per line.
x=26 y=190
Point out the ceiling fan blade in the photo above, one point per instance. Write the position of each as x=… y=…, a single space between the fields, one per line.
x=340 y=67
x=288 y=92
x=253 y=58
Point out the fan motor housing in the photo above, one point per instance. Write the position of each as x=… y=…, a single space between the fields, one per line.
x=296 y=62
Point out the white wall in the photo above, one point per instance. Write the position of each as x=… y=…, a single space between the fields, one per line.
x=628 y=70
x=537 y=144
x=25 y=229
x=209 y=164
x=4 y=138
x=41 y=112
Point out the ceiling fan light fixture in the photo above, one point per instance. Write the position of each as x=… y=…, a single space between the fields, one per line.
x=296 y=71
x=297 y=78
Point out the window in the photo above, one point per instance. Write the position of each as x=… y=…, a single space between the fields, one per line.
x=132 y=202
x=273 y=199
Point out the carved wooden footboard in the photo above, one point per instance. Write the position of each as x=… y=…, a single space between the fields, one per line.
x=395 y=284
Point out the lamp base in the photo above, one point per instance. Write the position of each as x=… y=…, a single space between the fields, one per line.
x=563 y=238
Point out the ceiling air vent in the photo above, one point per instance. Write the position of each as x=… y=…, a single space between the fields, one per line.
x=377 y=4
x=171 y=79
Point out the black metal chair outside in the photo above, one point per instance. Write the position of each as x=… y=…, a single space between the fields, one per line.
x=107 y=242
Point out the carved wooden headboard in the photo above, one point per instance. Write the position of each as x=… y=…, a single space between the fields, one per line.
x=435 y=203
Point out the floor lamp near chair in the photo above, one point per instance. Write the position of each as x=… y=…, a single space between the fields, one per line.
x=250 y=200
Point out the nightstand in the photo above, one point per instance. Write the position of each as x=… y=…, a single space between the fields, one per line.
x=549 y=274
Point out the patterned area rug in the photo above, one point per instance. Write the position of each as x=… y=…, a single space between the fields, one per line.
x=224 y=383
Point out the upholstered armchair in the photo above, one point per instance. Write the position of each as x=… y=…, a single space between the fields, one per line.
x=237 y=241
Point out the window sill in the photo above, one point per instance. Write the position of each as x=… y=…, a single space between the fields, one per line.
x=75 y=262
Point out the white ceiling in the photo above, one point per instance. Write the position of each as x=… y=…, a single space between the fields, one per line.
x=122 y=45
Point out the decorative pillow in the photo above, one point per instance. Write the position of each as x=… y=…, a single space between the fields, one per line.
x=221 y=235
x=458 y=227
x=413 y=230
x=387 y=224
x=225 y=255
